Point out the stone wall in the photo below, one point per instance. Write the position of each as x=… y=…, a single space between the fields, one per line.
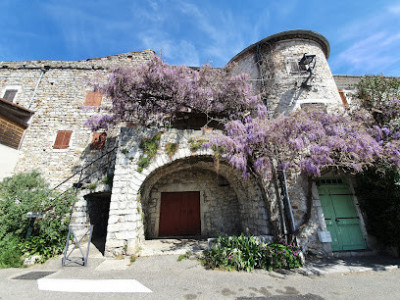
x=270 y=66
x=58 y=103
x=219 y=205
x=135 y=197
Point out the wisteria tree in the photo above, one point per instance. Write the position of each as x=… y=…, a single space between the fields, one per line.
x=155 y=93
x=306 y=143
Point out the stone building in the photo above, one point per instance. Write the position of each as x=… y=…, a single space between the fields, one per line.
x=180 y=193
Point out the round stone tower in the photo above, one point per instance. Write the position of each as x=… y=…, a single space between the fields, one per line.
x=291 y=71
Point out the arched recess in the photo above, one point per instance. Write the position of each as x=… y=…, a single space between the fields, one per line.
x=228 y=203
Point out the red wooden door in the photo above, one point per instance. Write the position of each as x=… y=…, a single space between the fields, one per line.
x=180 y=214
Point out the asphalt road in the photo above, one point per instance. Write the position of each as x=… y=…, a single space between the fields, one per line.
x=169 y=279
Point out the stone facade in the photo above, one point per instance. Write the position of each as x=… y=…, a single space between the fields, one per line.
x=56 y=92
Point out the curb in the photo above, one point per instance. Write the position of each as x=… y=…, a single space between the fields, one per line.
x=343 y=270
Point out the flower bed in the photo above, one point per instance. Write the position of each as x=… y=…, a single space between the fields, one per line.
x=248 y=253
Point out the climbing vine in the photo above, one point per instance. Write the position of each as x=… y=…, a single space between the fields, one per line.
x=149 y=146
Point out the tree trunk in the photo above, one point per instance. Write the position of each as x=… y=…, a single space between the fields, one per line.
x=309 y=204
x=270 y=192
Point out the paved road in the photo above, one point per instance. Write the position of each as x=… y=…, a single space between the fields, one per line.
x=169 y=279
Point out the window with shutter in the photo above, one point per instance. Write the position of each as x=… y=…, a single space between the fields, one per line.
x=62 y=139
x=343 y=97
x=93 y=98
x=98 y=141
x=9 y=95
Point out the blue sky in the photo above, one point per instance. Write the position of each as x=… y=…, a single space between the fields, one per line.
x=364 y=35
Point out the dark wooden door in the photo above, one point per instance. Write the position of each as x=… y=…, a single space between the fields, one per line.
x=180 y=214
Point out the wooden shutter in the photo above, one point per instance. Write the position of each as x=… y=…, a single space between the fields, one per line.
x=93 y=98
x=62 y=139
x=9 y=95
x=343 y=97
x=10 y=133
x=98 y=141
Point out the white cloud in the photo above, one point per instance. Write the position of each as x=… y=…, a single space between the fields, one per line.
x=370 y=43
x=394 y=9
x=372 y=54
x=179 y=52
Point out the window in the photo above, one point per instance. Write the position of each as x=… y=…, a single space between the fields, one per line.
x=93 y=98
x=9 y=95
x=314 y=105
x=98 y=141
x=293 y=67
x=343 y=97
x=62 y=139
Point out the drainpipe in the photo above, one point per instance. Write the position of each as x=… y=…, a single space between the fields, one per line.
x=42 y=71
x=286 y=201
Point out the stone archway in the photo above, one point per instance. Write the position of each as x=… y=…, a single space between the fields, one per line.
x=228 y=204
x=235 y=205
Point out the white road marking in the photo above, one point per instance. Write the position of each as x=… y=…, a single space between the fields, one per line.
x=92 y=286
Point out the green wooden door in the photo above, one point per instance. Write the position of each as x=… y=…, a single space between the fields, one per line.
x=340 y=215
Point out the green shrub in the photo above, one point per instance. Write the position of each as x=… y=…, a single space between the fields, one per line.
x=143 y=163
x=196 y=144
x=185 y=256
x=171 y=148
x=379 y=197
x=10 y=253
x=247 y=253
x=149 y=146
x=44 y=245
x=109 y=179
x=25 y=193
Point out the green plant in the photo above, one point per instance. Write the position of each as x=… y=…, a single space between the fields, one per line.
x=379 y=198
x=109 y=179
x=28 y=192
x=195 y=144
x=10 y=254
x=171 y=149
x=124 y=151
x=149 y=146
x=92 y=186
x=143 y=163
x=247 y=253
x=44 y=245
x=187 y=255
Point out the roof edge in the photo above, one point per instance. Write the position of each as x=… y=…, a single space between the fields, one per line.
x=290 y=34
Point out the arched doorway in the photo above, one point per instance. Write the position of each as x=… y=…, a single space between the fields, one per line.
x=189 y=197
